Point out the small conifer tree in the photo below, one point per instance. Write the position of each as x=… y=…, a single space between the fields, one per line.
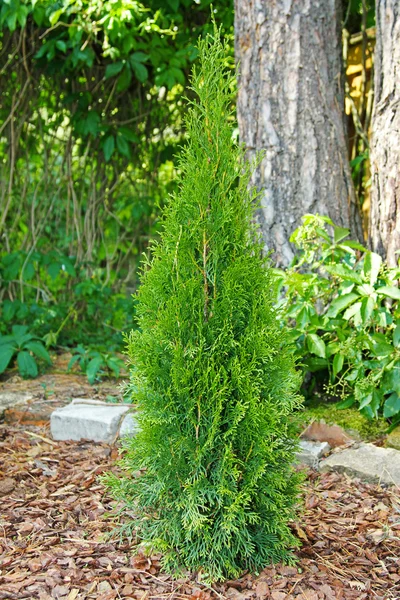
x=209 y=477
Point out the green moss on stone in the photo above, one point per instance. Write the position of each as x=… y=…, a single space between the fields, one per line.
x=393 y=439
x=350 y=419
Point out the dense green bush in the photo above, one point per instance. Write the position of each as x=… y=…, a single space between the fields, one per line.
x=215 y=381
x=343 y=305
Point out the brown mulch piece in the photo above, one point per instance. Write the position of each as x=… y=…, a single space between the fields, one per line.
x=53 y=542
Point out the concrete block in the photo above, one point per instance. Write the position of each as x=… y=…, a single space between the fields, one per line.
x=367 y=462
x=12 y=399
x=129 y=426
x=98 y=423
x=310 y=452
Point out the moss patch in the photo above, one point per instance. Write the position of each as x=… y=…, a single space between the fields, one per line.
x=393 y=439
x=349 y=419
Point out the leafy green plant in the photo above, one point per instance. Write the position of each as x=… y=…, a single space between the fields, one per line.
x=215 y=379
x=99 y=119
x=26 y=348
x=343 y=305
x=95 y=364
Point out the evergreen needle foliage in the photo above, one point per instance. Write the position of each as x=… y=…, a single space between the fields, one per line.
x=215 y=380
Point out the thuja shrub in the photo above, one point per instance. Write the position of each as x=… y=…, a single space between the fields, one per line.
x=209 y=479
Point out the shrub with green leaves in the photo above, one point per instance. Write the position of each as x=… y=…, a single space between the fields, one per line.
x=25 y=347
x=216 y=385
x=94 y=363
x=343 y=304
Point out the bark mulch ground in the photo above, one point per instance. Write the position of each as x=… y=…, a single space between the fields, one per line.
x=53 y=535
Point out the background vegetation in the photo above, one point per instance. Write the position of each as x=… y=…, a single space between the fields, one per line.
x=91 y=117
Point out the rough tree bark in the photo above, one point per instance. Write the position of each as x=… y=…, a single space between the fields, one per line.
x=385 y=140
x=290 y=104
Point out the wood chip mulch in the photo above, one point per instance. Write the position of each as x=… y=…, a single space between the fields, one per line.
x=53 y=530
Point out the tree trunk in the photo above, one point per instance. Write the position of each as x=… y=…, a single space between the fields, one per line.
x=385 y=142
x=290 y=105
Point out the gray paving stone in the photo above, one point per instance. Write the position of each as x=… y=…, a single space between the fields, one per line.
x=310 y=452
x=98 y=423
x=10 y=399
x=129 y=426
x=367 y=462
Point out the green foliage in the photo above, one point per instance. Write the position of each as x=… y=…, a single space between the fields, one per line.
x=95 y=364
x=353 y=14
x=63 y=301
x=90 y=117
x=343 y=305
x=26 y=348
x=215 y=381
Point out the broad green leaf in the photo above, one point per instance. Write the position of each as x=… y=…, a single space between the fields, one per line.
x=39 y=350
x=113 y=69
x=5 y=340
x=12 y=21
x=50 y=339
x=174 y=4
x=372 y=265
x=124 y=79
x=93 y=368
x=73 y=360
x=68 y=266
x=138 y=57
x=123 y=146
x=346 y=403
x=353 y=245
x=353 y=375
x=303 y=317
x=365 y=401
x=338 y=363
x=8 y=310
x=391 y=406
x=332 y=348
x=365 y=290
x=140 y=71
x=316 y=345
x=390 y=292
x=382 y=349
x=344 y=273
x=61 y=45
x=21 y=334
x=315 y=363
x=391 y=379
x=26 y=364
x=108 y=147
x=375 y=402
x=28 y=271
x=341 y=303
x=53 y=270
x=367 y=308
x=6 y=353
x=339 y=233
x=352 y=311
x=396 y=336
x=128 y=134
x=114 y=364
x=367 y=412
x=91 y=123
x=53 y=18
x=323 y=234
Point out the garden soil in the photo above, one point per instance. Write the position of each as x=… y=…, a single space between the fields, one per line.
x=55 y=535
